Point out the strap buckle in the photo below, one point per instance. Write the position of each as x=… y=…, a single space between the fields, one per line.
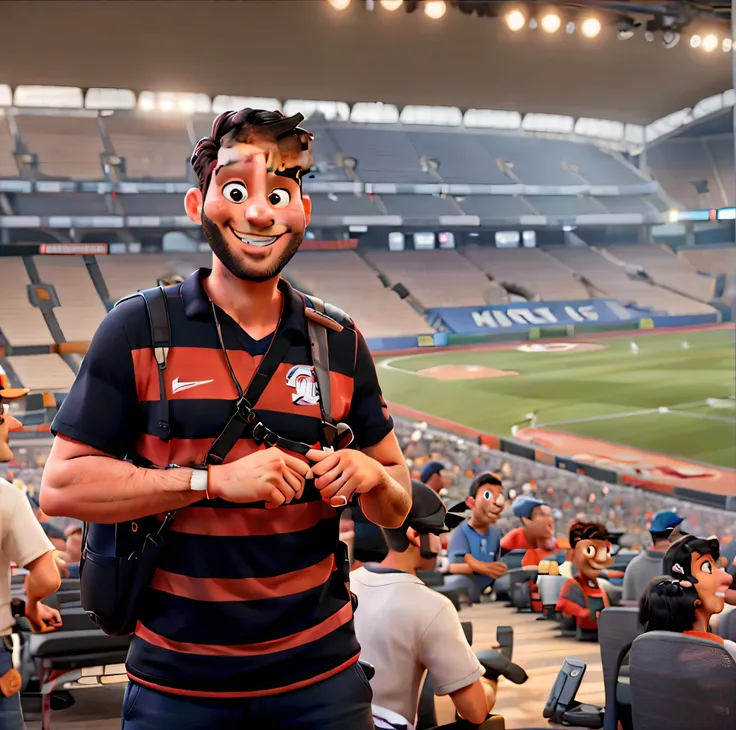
x=245 y=410
x=264 y=435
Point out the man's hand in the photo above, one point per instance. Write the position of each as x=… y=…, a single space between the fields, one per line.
x=42 y=618
x=61 y=565
x=495 y=570
x=341 y=474
x=269 y=475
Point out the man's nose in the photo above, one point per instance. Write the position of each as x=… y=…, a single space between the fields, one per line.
x=258 y=212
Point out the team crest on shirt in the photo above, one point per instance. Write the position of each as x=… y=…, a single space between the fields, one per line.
x=301 y=378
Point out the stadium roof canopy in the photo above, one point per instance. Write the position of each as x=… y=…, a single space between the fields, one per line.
x=305 y=49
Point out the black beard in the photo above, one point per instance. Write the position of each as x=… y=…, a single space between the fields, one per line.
x=238 y=268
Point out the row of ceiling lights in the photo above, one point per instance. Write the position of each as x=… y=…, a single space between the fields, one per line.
x=551 y=21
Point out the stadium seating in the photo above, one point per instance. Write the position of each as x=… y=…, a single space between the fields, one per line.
x=631 y=204
x=20 y=322
x=8 y=168
x=66 y=147
x=343 y=205
x=667 y=269
x=438 y=278
x=492 y=207
x=564 y=205
x=531 y=268
x=677 y=164
x=155 y=147
x=344 y=279
x=720 y=260
x=42 y=372
x=61 y=204
x=81 y=309
x=722 y=151
x=127 y=274
x=613 y=280
x=156 y=204
x=419 y=207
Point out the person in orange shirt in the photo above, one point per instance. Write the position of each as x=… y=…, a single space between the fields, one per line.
x=537 y=533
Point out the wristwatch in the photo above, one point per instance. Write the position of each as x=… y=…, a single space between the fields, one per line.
x=198 y=481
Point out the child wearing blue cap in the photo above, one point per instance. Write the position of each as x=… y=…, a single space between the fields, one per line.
x=536 y=534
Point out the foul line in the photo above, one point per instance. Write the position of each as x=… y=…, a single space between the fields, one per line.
x=674 y=410
x=386 y=365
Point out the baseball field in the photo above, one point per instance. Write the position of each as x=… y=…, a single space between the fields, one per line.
x=670 y=393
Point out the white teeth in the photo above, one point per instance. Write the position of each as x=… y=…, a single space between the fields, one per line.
x=720 y=595
x=258 y=241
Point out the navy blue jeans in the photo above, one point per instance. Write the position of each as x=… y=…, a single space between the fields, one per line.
x=11 y=716
x=342 y=702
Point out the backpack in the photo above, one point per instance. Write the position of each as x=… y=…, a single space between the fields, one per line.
x=119 y=560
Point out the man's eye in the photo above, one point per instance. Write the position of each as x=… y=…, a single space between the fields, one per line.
x=590 y=551
x=279 y=198
x=707 y=568
x=235 y=192
x=487 y=495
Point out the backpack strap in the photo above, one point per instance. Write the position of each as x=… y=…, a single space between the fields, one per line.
x=157 y=308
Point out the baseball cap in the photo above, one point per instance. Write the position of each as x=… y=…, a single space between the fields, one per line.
x=665 y=520
x=430 y=469
x=481 y=480
x=524 y=506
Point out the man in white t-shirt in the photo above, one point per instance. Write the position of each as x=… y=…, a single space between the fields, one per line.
x=23 y=542
x=404 y=628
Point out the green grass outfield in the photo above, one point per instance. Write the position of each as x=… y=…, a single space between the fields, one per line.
x=610 y=394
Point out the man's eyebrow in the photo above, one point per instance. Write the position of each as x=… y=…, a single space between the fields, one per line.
x=245 y=158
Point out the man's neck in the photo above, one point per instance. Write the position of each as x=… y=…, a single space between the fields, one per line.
x=480 y=526
x=660 y=547
x=400 y=561
x=254 y=305
x=702 y=619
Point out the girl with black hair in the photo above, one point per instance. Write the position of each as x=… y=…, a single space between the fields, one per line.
x=693 y=592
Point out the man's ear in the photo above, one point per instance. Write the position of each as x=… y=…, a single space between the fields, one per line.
x=307 y=205
x=526 y=521
x=193 y=205
x=413 y=536
x=470 y=501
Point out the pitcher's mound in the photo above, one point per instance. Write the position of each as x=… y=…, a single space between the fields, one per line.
x=464 y=372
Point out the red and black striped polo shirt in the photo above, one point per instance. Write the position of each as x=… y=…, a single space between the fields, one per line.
x=247 y=601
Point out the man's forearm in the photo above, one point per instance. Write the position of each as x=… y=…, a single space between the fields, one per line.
x=388 y=504
x=104 y=490
x=43 y=578
x=460 y=569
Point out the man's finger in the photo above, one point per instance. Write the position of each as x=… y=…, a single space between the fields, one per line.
x=297 y=465
x=343 y=495
x=295 y=482
x=326 y=479
x=318 y=454
x=334 y=487
x=325 y=465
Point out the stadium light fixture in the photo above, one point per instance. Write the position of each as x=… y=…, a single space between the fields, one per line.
x=710 y=43
x=591 y=27
x=339 y=4
x=550 y=22
x=391 y=5
x=515 y=20
x=435 y=9
x=670 y=38
x=727 y=45
x=570 y=27
x=695 y=41
x=674 y=216
x=147 y=103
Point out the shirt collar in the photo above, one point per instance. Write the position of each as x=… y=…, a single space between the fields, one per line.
x=197 y=304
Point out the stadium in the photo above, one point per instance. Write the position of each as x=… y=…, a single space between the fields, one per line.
x=526 y=208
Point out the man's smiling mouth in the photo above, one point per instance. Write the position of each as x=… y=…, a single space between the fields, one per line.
x=256 y=239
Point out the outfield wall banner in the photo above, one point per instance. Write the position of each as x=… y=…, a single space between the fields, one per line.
x=521 y=316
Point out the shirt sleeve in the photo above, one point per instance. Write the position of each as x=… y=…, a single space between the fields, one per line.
x=368 y=416
x=628 y=591
x=445 y=652
x=459 y=546
x=24 y=539
x=101 y=409
x=509 y=540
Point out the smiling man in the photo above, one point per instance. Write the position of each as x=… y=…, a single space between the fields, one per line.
x=248 y=621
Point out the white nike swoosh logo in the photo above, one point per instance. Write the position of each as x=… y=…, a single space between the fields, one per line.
x=177 y=386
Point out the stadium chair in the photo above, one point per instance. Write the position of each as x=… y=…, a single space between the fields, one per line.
x=549 y=591
x=617 y=629
x=727 y=625
x=520 y=589
x=61 y=655
x=680 y=681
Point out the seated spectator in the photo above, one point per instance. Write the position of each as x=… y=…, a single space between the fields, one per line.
x=475 y=545
x=537 y=533
x=72 y=554
x=581 y=597
x=690 y=594
x=436 y=477
x=369 y=544
x=52 y=532
x=648 y=563
x=405 y=628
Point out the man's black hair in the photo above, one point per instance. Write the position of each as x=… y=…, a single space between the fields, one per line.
x=247 y=125
x=587 y=531
x=481 y=480
x=667 y=605
x=677 y=561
